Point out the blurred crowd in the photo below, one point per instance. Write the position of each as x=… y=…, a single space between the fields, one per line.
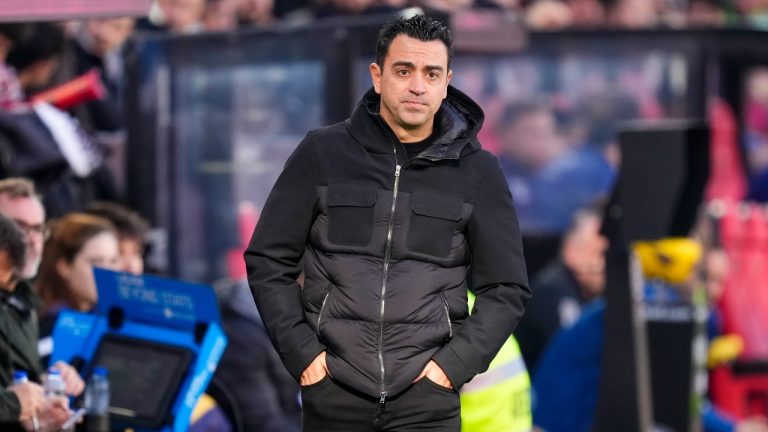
x=213 y=15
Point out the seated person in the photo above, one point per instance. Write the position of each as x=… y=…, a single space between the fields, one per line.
x=564 y=286
x=131 y=233
x=22 y=406
x=78 y=243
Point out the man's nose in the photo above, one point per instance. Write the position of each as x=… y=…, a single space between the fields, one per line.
x=417 y=84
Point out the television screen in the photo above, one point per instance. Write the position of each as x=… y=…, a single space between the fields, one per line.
x=144 y=378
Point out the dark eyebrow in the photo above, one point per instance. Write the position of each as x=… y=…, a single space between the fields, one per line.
x=413 y=66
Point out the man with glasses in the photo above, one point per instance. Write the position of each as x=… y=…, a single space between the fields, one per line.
x=20 y=203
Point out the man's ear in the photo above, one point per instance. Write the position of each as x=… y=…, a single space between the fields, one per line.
x=375 y=77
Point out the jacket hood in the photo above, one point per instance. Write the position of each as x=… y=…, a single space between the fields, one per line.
x=459 y=116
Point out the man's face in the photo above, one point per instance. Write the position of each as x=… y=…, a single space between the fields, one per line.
x=412 y=83
x=180 y=14
x=131 y=260
x=532 y=139
x=29 y=215
x=99 y=251
x=584 y=254
x=109 y=34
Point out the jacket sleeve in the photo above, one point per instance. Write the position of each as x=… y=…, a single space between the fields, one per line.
x=498 y=278
x=10 y=408
x=273 y=260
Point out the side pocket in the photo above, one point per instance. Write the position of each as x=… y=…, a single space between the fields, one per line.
x=350 y=213
x=322 y=308
x=323 y=380
x=448 y=318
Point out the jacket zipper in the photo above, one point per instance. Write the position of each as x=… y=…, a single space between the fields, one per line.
x=320 y=315
x=387 y=256
x=447 y=317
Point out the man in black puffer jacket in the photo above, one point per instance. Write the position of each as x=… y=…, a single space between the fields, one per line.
x=396 y=212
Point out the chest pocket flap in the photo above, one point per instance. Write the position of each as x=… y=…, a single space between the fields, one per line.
x=350 y=213
x=351 y=195
x=437 y=205
x=433 y=223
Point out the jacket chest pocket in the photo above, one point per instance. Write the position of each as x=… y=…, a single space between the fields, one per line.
x=350 y=214
x=434 y=218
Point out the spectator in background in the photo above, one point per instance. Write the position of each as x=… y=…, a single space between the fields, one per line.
x=131 y=233
x=566 y=383
x=632 y=14
x=20 y=203
x=79 y=242
x=756 y=132
x=45 y=144
x=530 y=145
x=258 y=13
x=587 y=13
x=441 y=9
x=25 y=409
x=705 y=13
x=99 y=44
x=264 y=392
x=220 y=15
x=563 y=287
x=548 y=15
x=11 y=93
x=602 y=112
x=175 y=16
x=37 y=58
x=752 y=12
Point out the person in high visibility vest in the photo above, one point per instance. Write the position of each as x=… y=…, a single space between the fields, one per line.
x=499 y=399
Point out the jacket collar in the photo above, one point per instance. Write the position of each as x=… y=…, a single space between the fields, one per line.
x=459 y=117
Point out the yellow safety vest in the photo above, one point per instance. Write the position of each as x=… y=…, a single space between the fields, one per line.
x=499 y=399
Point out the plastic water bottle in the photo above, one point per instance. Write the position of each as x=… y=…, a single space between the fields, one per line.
x=20 y=376
x=97 y=402
x=54 y=384
x=97 y=393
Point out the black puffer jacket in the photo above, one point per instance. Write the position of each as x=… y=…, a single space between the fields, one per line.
x=390 y=248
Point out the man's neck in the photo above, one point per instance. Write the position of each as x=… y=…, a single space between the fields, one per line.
x=407 y=136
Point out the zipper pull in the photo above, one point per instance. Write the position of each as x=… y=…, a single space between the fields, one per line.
x=397 y=170
x=383 y=397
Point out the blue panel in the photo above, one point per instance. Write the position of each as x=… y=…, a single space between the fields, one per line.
x=155 y=300
x=157 y=310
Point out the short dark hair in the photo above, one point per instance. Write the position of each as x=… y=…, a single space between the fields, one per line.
x=129 y=224
x=16 y=32
x=67 y=240
x=419 y=27
x=48 y=43
x=517 y=110
x=13 y=243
